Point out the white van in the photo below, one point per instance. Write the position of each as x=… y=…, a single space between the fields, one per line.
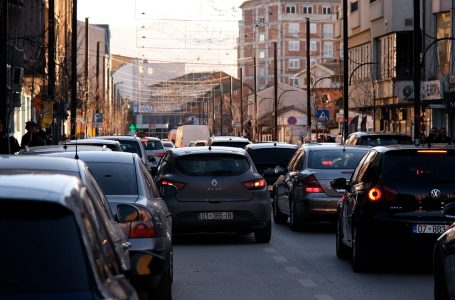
x=187 y=133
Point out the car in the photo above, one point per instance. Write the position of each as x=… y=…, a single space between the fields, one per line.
x=154 y=150
x=394 y=200
x=130 y=144
x=124 y=179
x=113 y=145
x=167 y=144
x=52 y=220
x=373 y=139
x=211 y=189
x=443 y=255
x=60 y=148
x=267 y=156
x=198 y=143
x=187 y=133
x=228 y=141
x=303 y=190
x=42 y=164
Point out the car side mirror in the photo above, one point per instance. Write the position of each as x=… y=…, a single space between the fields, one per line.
x=127 y=213
x=339 y=184
x=280 y=170
x=449 y=210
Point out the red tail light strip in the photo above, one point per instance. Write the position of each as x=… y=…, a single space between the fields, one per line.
x=255 y=184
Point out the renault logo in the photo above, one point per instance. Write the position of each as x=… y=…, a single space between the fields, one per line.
x=435 y=194
x=214 y=183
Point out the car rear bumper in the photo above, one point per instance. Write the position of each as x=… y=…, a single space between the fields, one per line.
x=317 y=207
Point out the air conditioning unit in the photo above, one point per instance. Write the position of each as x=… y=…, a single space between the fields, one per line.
x=404 y=90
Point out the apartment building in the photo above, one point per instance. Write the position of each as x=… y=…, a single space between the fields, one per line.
x=266 y=23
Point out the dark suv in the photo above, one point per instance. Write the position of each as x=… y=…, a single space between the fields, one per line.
x=374 y=139
x=395 y=199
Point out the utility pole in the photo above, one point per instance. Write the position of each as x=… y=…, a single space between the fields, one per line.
x=97 y=89
x=275 y=93
x=308 y=77
x=213 y=112
x=255 y=128
x=86 y=77
x=345 y=70
x=416 y=78
x=51 y=70
x=73 y=69
x=3 y=62
x=241 y=101
x=221 y=105
x=230 y=107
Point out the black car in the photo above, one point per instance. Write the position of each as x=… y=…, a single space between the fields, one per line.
x=374 y=139
x=55 y=244
x=394 y=200
x=267 y=156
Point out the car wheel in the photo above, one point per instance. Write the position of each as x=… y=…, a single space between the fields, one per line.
x=278 y=216
x=264 y=235
x=360 y=261
x=440 y=285
x=164 y=290
x=342 y=250
x=295 y=222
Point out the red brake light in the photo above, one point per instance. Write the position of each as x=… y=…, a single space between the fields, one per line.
x=312 y=185
x=374 y=194
x=159 y=154
x=255 y=184
x=177 y=184
x=144 y=228
x=381 y=192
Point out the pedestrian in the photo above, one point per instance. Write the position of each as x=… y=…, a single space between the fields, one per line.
x=8 y=143
x=33 y=137
x=433 y=136
x=443 y=138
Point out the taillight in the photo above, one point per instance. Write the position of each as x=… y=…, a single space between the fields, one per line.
x=374 y=194
x=381 y=192
x=311 y=185
x=159 y=154
x=255 y=184
x=144 y=227
x=176 y=184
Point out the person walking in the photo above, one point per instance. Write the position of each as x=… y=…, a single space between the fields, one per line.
x=32 y=137
x=8 y=143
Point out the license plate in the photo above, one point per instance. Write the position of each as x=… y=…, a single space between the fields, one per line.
x=220 y=215
x=429 y=228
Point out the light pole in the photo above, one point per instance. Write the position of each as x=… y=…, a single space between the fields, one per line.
x=275 y=92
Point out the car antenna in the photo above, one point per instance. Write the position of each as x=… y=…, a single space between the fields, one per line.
x=76 y=156
x=210 y=147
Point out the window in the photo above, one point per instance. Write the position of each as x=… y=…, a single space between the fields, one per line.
x=294 y=81
x=262 y=20
x=141 y=69
x=261 y=37
x=312 y=28
x=387 y=56
x=328 y=49
x=312 y=61
x=150 y=71
x=307 y=9
x=261 y=54
x=290 y=9
x=326 y=10
x=261 y=71
x=294 y=63
x=354 y=6
x=212 y=165
x=327 y=30
x=294 y=45
x=294 y=28
x=115 y=179
x=335 y=159
x=313 y=46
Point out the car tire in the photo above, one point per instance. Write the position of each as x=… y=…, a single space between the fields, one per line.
x=360 y=260
x=278 y=216
x=295 y=222
x=164 y=290
x=264 y=235
x=440 y=285
x=342 y=250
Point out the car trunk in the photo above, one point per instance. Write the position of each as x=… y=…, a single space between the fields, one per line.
x=324 y=177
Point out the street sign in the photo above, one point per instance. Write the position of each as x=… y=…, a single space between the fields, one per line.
x=322 y=115
x=292 y=120
x=132 y=127
x=98 y=118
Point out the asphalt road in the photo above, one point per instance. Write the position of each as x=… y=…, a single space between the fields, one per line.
x=295 y=265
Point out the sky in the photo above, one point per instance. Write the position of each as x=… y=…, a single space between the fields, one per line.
x=201 y=33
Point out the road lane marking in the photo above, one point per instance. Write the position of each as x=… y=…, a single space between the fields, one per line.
x=307 y=283
x=280 y=259
x=293 y=270
x=323 y=297
x=269 y=250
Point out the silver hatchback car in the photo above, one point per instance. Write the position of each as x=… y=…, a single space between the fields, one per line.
x=213 y=189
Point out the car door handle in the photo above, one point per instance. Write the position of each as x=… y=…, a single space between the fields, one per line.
x=126 y=245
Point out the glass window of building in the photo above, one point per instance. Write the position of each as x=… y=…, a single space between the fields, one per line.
x=312 y=27
x=326 y=10
x=307 y=9
x=261 y=37
x=327 y=30
x=294 y=45
x=313 y=46
x=387 y=56
x=444 y=46
x=294 y=63
x=294 y=28
x=290 y=9
x=328 y=49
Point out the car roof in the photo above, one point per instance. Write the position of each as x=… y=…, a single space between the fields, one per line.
x=61 y=148
x=151 y=138
x=207 y=150
x=39 y=162
x=96 y=156
x=271 y=145
x=91 y=140
x=118 y=137
x=363 y=133
x=55 y=188
x=326 y=146
x=438 y=146
x=229 y=138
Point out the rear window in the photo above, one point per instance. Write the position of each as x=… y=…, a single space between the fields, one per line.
x=152 y=145
x=115 y=178
x=230 y=144
x=384 y=140
x=167 y=144
x=278 y=156
x=335 y=158
x=212 y=165
x=41 y=250
x=418 y=168
x=131 y=146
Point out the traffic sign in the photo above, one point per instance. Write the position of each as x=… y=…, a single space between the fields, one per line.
x=132 y=127
x=323 y=115
x=98 y=118
x=292 y=120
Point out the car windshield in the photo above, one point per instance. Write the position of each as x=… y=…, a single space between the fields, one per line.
x=410 y=167
x=230 y=144
x=168 y=145
x=212 y=165
x=276 y=156
x=41 y=250
x=384 y=140
x=131 y=146
x=335 y=158
x=115 y=178
x=152 y=145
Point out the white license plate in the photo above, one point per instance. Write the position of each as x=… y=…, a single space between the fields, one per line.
x=219 y=215
x=429 y=228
